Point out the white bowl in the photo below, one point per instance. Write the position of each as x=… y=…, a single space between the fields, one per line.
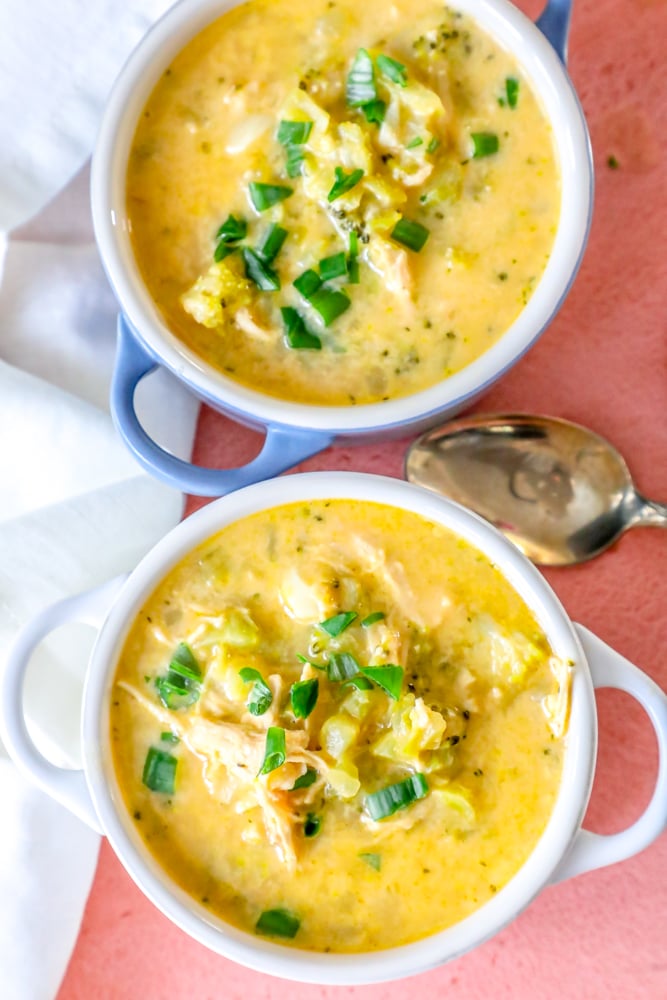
x=297 y=430
x=563 y=850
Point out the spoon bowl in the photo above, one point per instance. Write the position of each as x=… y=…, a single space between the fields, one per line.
x=560 y=492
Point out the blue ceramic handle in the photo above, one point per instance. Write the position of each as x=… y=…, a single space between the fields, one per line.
x=283 y=448
x=554 y=23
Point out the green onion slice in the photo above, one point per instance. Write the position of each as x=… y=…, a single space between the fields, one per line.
x=265 y=196
x=259 y=271
x=344 y=182
x=160 y=771
x=278 y=923
x=169 y=738
x=294 y=133
x=329 y=304
x=304 y=659
x=274 y=752
x=512 y=91
x=375 y=111
x=342 y=667
x=297 y=334
x=308 y=283
x=417 y=141
x=334 y=626
x=376 y=616
x=303 y=697
x=295 y=157
x=232 y=230
x=393 y=70
x=334 y=266
x=181 y=685
x=272 y=244
x=352 y=261
x=306 y=780
x=360 y=86
x=390 y=799
x=411 y=234
x=312 y=825
x=433 y=145
x=484 y=144
x=387 y=676
x=359 y=682
x=260 y=698
x=223 y=250
x=374 y=860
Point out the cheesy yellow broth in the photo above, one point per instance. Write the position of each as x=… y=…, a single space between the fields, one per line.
x=461 y=697
x=490 y=206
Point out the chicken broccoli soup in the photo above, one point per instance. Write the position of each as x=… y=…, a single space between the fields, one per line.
x=337 y=725
x=339 y=202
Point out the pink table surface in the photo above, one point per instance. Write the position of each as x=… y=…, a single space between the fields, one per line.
x=603 y=363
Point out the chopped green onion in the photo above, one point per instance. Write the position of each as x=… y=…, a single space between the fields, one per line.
x=361 y=683
x=393 y=70
x=160 y=771
x=352 y=261
x=417 y=141
x=484 y=144
x=411 y=234
x=512 y=91
x=344 y=182
x=278 y=923
x=303 y=697
x=169 y=738
x=181 y=685
x=272 y=244
x=308 y=283
x=297 y=334
x=295 y=157
x=376 y=616
x=387 y=676
x=342 y=666
x=375 y=111
x=232 y=230
x=259 y=271
x=306 y=780
x=433 y=145
x=274 y=753
x=312 y=825
x=360 y=85
x=304 y=659
x=264 y=196
x=260 y=698
x=294 y=133
x=223 y=250
x=334 y=626
x=333 y=267
x=374 y=860
x=390 y=799
x=329 y=304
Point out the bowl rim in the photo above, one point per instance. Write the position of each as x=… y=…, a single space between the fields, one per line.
x=549 y=80
x=258 y=953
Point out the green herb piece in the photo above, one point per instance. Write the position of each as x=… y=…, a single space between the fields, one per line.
x=272 y=244
x=294 y=133
x=375 y=111
x=612 y=162
x=484 y=144
x=304 y=659
x=334 y=266
x=311 y=827
x=306 y=780
x=230 y=232
x=390 y=799
x=512 y=91
x=376 y=616
x=223 y=250
x=308 y=283
x=181 y=685
x=352 y=261
x=169 y=738
x=265 y=196
x=297 y=334
x=417 y=141
x=344 y=182
x=359 y=682
x=334 y=626
x=258 y=270
x=260 y=698
x=374 y=860
x=360 y=85
x=303 y=697
x=393 y=70
x=329 y=304
x=295 y=158
x=411 y=234
x=342 y=666
x=433 y=145
x=274 y=752
x=159 y=772
x=278 y=923
x=387 y=676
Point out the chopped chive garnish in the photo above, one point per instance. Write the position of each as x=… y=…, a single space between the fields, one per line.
x=259 y=271
x=159 y=772
x=376 y=616
x=512 y=91
x=333 y=267
x=306 y=780
x=360 y=682
x=297 y=334
x=484 y=144
x=417 y=141
x=360 y=86
x=352 y=261
x=389 y=800
x=181 y=685
x=264 y=196
x=312 y=825
x=393 y=70
x=308 y=283
x=342 y=666
x=274 y=752
x=375 y=111
x=231 y=231
x=260 y=698
x=303 y=697
x=272 y=244
x=223 y=250
x=334 y=626
x=433 y=145
x=344 y=182
x=411 y=234
x=278 y=923
x=329 y=304
x=387 y=676
x=304 y=659
x=169 y=738
x=295 y=156
x=374 y=860
x=294 y=133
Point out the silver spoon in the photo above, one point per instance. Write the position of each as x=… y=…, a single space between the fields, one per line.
x=560 y=492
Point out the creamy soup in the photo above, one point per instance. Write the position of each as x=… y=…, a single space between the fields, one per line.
x=336 y=724
x=342 y=202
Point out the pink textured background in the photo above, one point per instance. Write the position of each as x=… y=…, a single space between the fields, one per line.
x=602 y=363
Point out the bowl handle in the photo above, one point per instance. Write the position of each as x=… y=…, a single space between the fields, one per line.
x=554 y=23
x=283 y=447
x=63 y=784
x=594 y=850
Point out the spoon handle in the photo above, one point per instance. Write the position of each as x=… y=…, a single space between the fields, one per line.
x=651 y=514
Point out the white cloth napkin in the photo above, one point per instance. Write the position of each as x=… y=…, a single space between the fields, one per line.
x=75 y=508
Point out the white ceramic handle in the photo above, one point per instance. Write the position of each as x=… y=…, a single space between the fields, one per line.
x=66 y=786
x=594 y=850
